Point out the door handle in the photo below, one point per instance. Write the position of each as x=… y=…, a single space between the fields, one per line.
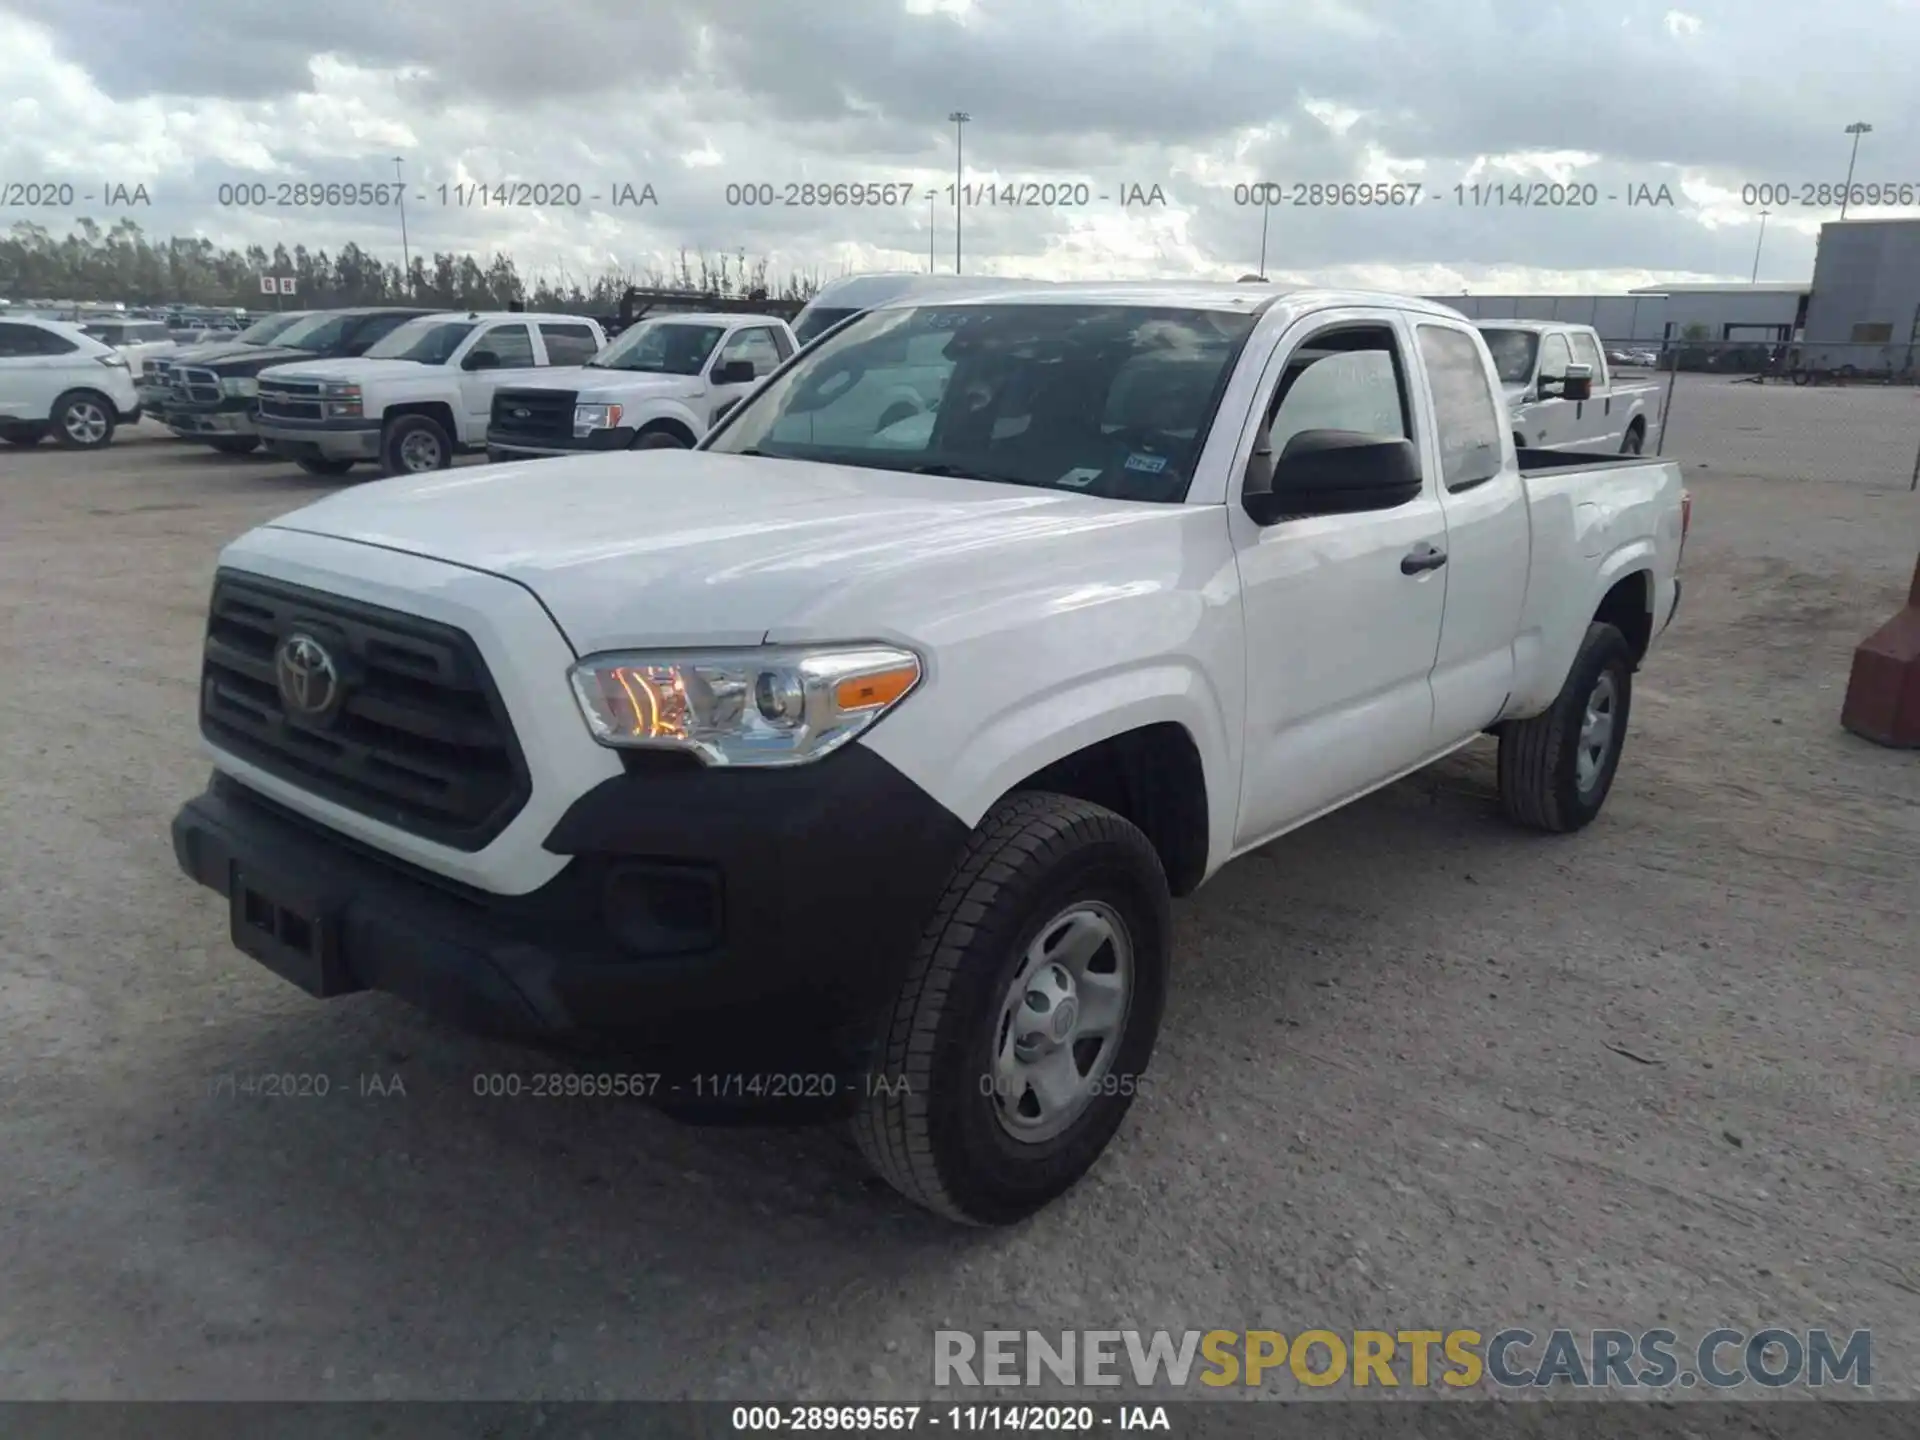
x=1422 y=558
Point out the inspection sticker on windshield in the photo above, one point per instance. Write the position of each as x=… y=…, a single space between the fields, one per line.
x=1080 y=478
x=1152 y=464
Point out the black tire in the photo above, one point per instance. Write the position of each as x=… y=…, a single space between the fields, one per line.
x=661 y=439
x=1540 y=774
x=408 y=440
x=929 y=1122
x=83 y=420
x=22 y=435
x=236 y=444
x=314 y=465
x=1635 y=440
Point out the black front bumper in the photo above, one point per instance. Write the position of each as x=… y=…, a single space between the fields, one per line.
x=717 y=922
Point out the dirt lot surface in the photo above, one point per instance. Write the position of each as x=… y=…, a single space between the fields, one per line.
x=1418 y=1069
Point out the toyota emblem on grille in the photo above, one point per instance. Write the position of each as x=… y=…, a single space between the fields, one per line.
x=308 y=679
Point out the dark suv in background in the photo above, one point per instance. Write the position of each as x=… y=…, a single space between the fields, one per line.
x=212 y=397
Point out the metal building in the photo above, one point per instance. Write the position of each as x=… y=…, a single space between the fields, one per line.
x=1757 y=314
x=1866 y=296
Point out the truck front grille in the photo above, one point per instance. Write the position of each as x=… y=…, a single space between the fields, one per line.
x=543 y=417
x=291 y=400
x=198 y=387
x=418 y=737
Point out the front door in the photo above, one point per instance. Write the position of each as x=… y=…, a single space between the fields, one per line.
x=510 y=344
x=755 y=344
x=1342 y=615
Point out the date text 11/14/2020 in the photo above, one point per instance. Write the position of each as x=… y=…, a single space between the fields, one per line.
x=895 y=194
x=1396 y=194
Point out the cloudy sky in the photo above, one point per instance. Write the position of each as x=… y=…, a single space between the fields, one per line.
x=693 y=96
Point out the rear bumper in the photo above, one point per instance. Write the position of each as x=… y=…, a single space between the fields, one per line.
x=716 y=924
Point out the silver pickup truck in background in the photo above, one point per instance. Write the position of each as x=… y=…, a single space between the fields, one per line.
x=1561 y=393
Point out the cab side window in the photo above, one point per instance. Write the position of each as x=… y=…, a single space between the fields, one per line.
x=569 y=344
x=755 y=345
x=1464 y=415
x=1351 y=378
x=1585 y=352
x=512 y=343
x=1554 y=358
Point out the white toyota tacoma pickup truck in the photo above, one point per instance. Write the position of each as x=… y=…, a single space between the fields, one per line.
x=859 y=774
x=1562 y=395
x=661 y=386
x=418 y=396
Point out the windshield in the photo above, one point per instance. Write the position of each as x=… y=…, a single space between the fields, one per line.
x=431 y=342
x=661 y=347
x=1514 y=352
x=818 y=320
x=1109 y=400
x=317 y=333
x=261 y=331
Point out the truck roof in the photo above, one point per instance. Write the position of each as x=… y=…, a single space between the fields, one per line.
x=1541 y=326
x=1180 y=294
x=534 y=315
x=710 y=317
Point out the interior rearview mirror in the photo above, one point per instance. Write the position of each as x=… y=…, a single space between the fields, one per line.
x=1332 y=472
x=735 y=372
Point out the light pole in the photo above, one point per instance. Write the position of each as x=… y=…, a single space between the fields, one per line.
x=932 y=229
x=1758 y=243
x=1856 y=129
x=406 y=253
x=959 y=119
x=1266 y=210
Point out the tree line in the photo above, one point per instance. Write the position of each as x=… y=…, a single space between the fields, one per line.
x=122 y=263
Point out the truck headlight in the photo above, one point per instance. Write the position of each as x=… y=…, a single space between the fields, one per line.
x=343 y=400
x=588 y=418
x=766 y=706
x=244 y=385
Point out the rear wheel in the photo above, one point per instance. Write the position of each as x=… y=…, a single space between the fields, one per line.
x=1556 y=769
x=22 y=435
x=236 y=444
x=314 y=465
x=1635 y=439
x=1023 y=1028
x=83 y=421
x=415 y=445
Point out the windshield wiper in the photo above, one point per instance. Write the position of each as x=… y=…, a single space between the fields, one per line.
x=961 y=472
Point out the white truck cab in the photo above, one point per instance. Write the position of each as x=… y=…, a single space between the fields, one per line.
x=421 y=394
x=1561 y=393
x=859 y=771
x=661 y=385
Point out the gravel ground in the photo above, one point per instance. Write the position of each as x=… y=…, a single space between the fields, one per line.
x=1393 y=1088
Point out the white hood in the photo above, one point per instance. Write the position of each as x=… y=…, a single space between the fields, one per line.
x=679 y=547
x=346 y=369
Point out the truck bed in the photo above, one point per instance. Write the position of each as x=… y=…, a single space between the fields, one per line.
x=1534 y=460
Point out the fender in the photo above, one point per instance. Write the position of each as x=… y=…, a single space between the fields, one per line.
x=1002 y=749
x=1542 y=657
x=654 y=407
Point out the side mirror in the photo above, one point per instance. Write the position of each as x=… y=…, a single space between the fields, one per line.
x=1579 y=383
x=735 y=372
x=481 y=360
x=1330 y=472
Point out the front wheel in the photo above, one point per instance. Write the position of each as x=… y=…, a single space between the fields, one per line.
x=22 y=435
x=1022 y=1031
x=661 y=439
x=1556 y=769
x=83 y=422
x=415 y=445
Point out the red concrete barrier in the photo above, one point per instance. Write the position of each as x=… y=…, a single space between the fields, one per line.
x=1883 y=693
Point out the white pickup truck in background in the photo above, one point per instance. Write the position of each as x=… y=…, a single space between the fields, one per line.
x=661 y=385
x=1561 y=393
x=858 y=770
x=418 y=396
